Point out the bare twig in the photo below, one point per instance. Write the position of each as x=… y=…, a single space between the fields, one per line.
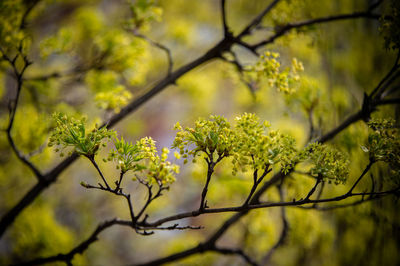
x=224 y=22
x=240 y=69
x=257 y=20
x=30 y=6
x=18 y=74
x=150 y=197
x=91 y=159
x=284 y=232
x=210 y=170
x=239 y=252
x=388 y=101
x=256 y=182
x=319 y=179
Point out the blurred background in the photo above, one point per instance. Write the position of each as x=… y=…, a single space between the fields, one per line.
x=87 y=61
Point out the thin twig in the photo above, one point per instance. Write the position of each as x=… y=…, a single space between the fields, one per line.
x=92 y=160
x=18 y=74
x=161 y=47
x=256 y=182
x=224 y=22
x=239 y=252
x=257 y=20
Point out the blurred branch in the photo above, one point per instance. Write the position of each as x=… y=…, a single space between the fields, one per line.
x=281 y=30
x=375 y=5
x=388 y=101
x=319 y=180
x=311 y=123
x=223 y=16
x=13 y=105
x=30 y=6
x=159 y=46
x=91 y=159
x=250 y=85
x=257 y=20
x=150 y=197
x=379 y=89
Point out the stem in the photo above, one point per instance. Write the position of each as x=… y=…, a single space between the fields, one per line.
x=128 y=199
x=121 y=175
x=361 y=176
x=91 y=158
x=210 y=171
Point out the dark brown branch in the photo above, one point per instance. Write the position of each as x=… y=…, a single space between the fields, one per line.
x=91 y=159
x=388 y=75
x=388 y=101
x=30 y=7
x=350 y=120
x=311 y=192
x=203 y=202
x=150 y=197
x=361 y=176
x=118 y=193
x=224 y=22
x=375 y=5
x=281 y=30
x=210 y=170
x=256 y=182
x=243 y=210
x=18 y=75
x=207 y=245
x=250 y=85
x=311 y=123
x=118 y=183
x=173 y=227
x=257 y=20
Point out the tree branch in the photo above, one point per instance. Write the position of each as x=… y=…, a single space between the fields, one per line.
x=257 y=20
x=91 y=159
x=161 y=47
x=239 y=252
x=13 y=109
x=224 y=22
x=281 y=30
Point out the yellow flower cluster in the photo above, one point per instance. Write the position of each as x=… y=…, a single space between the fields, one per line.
x=269 y=67
x=143 y=157
x=252 y=144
